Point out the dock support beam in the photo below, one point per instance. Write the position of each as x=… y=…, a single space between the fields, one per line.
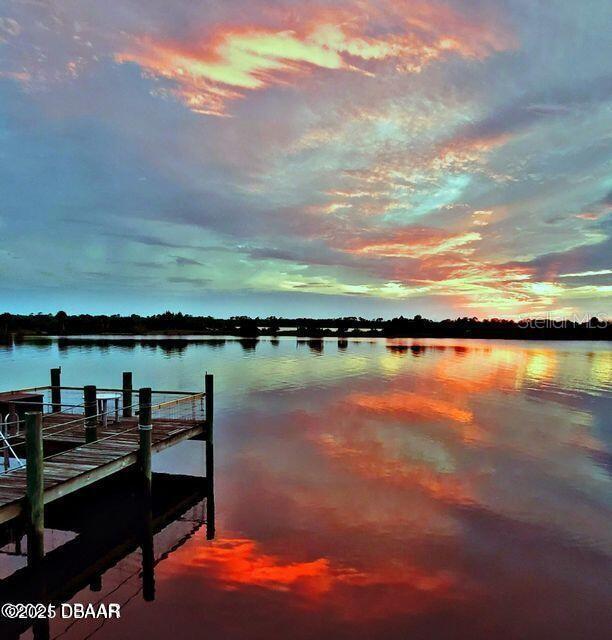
x=210 y=459
x=127 y=394
x=56 y=392
x=91 y=409
x=145 y=431
x=35 y=488
x=210 y=398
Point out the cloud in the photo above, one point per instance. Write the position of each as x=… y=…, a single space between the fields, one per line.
x=514 y=117
x=185 y=280
x=185 y=262
x=584 y=274
x=593 y=257
x=409 y=153
x=9 y=28
x=219 y=66
x=416 y=242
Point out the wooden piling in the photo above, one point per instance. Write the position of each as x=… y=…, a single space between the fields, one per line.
x=145 y=432
x=56 y=392
x=210 y=460
x=209 y=390
x=127 y=394
x=91 y=409
x=35 y=488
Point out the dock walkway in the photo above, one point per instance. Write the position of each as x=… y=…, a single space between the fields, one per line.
x=82 y=449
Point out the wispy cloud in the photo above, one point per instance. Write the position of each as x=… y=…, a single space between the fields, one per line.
x=221 y=65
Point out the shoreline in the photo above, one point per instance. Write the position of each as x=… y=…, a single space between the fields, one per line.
x=192 y=336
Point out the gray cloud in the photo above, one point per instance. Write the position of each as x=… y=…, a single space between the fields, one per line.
x=184 y=262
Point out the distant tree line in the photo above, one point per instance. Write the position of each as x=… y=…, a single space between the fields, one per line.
x=63 y=324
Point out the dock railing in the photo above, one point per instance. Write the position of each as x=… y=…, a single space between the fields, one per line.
x=118 y=417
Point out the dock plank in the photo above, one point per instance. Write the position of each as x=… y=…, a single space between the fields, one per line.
x=84 y=463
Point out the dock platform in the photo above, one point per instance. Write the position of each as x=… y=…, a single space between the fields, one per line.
x=81 y=445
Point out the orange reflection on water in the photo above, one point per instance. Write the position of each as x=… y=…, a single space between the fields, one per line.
x=411 y=403
x=424 y=405
x=390 y=586
x=370 y=460
x=239 y=561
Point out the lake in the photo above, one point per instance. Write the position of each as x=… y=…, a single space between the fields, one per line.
x=384 y=489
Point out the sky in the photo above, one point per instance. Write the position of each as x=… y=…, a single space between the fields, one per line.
x=354 y=157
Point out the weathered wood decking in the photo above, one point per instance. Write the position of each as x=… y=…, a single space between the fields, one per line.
x=116 y=448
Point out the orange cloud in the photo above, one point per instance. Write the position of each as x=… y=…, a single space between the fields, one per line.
x=469 y=149
x=223 y=65
x=415 y=242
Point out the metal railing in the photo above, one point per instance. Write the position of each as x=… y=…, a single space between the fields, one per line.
x=189 y=407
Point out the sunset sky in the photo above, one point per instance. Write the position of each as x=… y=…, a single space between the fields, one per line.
x=354 y=157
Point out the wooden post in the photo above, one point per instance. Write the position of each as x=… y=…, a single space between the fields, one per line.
x=145 y=431
x=210 y=398
x=210 y=459
x=56 y=392
x=91 y=409
x=127 y=394
x=35 y=488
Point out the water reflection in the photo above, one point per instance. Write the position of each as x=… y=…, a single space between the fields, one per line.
x=401 y=489
x=440 y=499
x=248 y=344
x=109 y=527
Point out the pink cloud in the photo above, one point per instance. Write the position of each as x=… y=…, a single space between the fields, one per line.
x=228 y=60
x=413 y=242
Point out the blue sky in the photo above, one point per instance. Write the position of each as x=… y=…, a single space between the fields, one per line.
x=346 y=158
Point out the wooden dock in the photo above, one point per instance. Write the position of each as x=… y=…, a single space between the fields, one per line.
x=66 y=447
x=86 y=463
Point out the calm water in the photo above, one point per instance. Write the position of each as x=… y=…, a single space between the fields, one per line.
x=439 y=489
